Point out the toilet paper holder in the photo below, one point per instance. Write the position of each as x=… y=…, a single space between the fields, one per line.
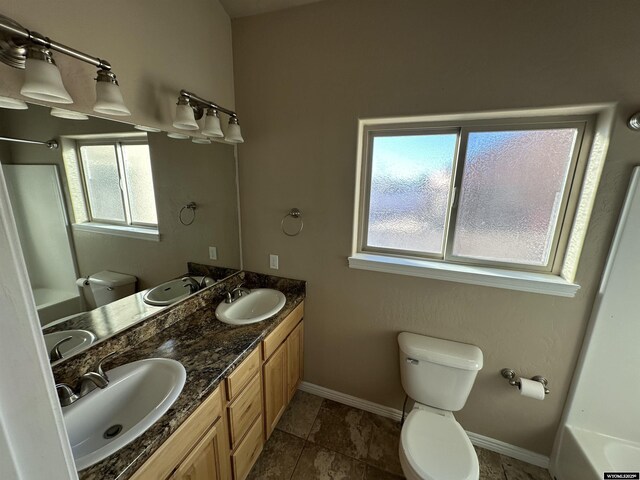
x=510 y=375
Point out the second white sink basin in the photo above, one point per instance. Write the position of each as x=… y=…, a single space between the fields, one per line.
x=105 y=420
x=80 y=340
x=259 y=305
x=169 y=292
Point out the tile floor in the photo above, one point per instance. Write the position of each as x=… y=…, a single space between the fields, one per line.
x=322 y=439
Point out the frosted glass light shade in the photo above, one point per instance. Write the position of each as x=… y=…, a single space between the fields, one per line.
x=201 y=141
x=12 y=103
x=185 y=120
x=109 y=99
x=68 y=114
x=233 y=134
x=42 y=81
x=212 y=126
x=177 y=136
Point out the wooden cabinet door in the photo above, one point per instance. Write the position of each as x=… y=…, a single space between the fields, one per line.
x=295 y=345
x=209 y=458
x=275 y=388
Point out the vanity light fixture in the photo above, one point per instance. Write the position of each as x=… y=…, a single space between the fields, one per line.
x=185 y=117
x=634 y=122
x=108 y=96
x=68 y=114
x=12 y=103
x=201 y=141
x=233 y=131
x=32 y=51
x=190 y=108
x=42 y=79
x=177 y=136
x=212 y=124
x=144 y=128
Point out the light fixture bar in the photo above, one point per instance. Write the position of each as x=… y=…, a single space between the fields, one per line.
x=205 y=103
x=15 y=37
x=51 y=144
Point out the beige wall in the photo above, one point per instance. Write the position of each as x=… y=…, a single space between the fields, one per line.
x=156 y=48
x=303 y=78
x=182 y=172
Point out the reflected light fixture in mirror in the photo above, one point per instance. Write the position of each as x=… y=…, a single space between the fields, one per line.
x=177 y=136
x=68 y=114
x=12 y=103
x=42 y=79
x=144 y=128
x=201 y=141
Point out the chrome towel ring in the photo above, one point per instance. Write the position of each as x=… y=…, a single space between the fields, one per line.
x=189 y=206
x=293 y=213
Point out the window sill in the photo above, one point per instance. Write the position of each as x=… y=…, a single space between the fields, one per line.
x=140 y=233
x=547 y=284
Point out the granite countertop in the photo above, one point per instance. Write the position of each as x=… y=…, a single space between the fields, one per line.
x=109 y=320
x=209 y=350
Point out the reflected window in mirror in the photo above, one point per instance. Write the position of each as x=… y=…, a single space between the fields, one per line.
x=111 y=184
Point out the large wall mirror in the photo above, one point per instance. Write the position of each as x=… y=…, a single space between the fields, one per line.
x=114 y=199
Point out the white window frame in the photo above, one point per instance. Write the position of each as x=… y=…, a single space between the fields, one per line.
x=83 y=220
x=557 y=278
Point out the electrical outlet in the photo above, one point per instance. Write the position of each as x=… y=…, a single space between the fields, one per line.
x=213 y=253
x=273 y=262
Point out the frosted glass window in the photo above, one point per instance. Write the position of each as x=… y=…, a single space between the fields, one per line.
x=409 y=191
x=511 y=196
x=118 y=181
x=137 y=168
x=100 y=165
x=480 y=192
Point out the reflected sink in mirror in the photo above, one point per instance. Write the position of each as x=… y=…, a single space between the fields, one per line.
x=105 y=420
x=79 y=341
x=260 y=304
x=170 y=292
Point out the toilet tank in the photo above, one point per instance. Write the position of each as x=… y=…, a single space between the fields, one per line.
x=436 y=372
x=106 y=286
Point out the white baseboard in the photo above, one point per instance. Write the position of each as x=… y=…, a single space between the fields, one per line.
x=479 y=440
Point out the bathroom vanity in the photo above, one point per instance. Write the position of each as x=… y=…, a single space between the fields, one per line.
x=239 y=381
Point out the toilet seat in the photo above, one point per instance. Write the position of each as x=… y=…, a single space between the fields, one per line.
x=434 y=446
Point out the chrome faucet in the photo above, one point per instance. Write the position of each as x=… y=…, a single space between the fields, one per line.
x=191 y=283
x=55 y=353
x=87 y=383
x=236 y=293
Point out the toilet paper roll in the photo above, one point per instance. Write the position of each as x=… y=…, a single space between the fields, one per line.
x=531 y=389
x=81 y=282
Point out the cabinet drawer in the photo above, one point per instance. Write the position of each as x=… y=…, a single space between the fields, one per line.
x=248 y=451
x=244 y=410
x=282 y=331
x=243 y=374
x=178 y=445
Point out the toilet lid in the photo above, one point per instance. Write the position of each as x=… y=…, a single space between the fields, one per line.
x=437 y=447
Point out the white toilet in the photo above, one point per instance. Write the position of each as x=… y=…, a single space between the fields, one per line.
x=438 y=375
x=105 y=287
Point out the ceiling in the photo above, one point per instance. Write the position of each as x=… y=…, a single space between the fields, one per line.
x=244 y=8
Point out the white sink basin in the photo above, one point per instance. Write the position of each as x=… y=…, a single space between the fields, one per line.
x=105 y=420
x=259 y=305
x=80 y=340
x=169 y=292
